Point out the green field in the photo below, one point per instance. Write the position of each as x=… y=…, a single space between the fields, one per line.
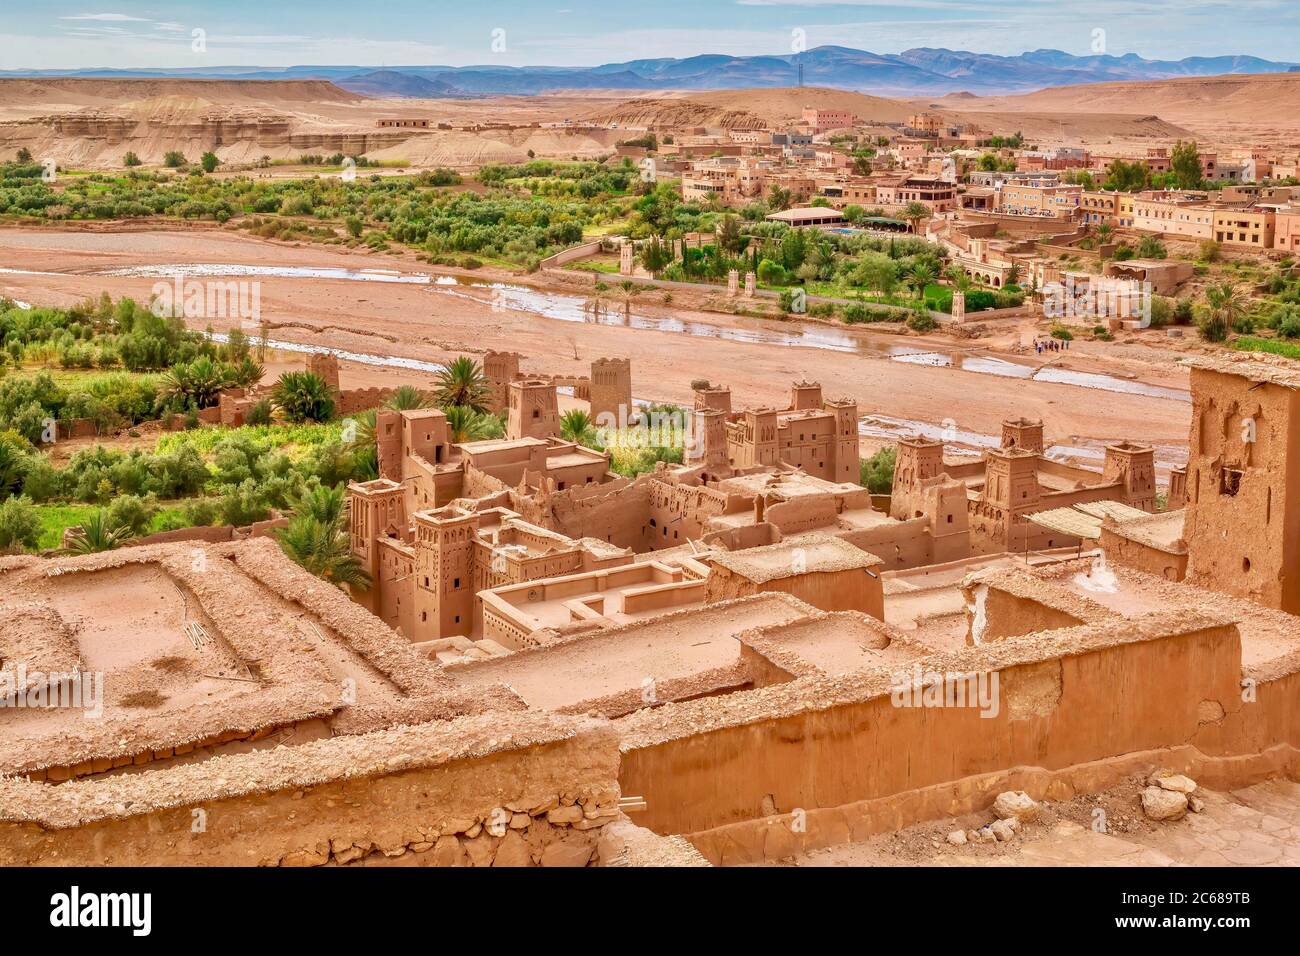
x=58 y=517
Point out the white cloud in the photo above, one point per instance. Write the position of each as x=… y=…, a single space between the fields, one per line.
x=114 y=17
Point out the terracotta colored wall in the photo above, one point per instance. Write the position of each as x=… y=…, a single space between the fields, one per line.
x=1247 y=544
x=1054 y=713
x=1135 y=554
x=849 y=590
x=1008 y=615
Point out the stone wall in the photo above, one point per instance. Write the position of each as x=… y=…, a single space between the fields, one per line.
x=467 y=792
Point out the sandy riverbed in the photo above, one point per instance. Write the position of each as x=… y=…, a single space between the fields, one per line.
x=432 y=322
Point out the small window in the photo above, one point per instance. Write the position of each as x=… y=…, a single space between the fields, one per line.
x=1229 y=482
x=455 y=583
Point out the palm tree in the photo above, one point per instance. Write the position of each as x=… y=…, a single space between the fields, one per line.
x=577 y=426
x=316 y=538
x=958 y=277
x=365 y=424
x=922 y=275
x=197 y=382
x=1227 y=304
x=247 y=372
x=1104 y=232
x=628 y=291
x=95 y=535
x=464 y=424
x=914 y=212
x=327 y=504
x=324 y=550
x=462 y=382
x=595 y=304
x=408 y=397
x=302 y=397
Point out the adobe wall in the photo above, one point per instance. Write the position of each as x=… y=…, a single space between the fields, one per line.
x=479 y=484
x=746 y=536
x=631 y=514
x=1067 y=698
x=426 y=795
x=1245 y=542
x=1143 y=557
x=354 y=400
x=848 y=590
x=614 y=512
x=211 y=535
x=900 y=544
x=999 y=606
x=1015 y=616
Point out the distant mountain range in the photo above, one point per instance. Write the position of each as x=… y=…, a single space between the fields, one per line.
x=922 y=71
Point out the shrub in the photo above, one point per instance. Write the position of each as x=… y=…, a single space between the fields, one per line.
x=1149 y=247
x=1210 y=325
x=259 y=413
x=131 y=512
x=243 y=506
x=201 y=513
x=876 y=473
x=1289 y=325
x=20 y=526
x=772 y=273
x=921 y=322
x=1162 y=313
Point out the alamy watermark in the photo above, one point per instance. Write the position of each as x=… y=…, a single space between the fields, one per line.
x=1098 y=297
x=63 y=690
x=956 y=689
x=633 y=428
x=207 y=299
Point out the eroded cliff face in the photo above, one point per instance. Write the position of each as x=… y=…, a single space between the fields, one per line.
x=95 y=122
x=98 y=136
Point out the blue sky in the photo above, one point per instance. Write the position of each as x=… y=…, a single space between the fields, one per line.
x=125 y=33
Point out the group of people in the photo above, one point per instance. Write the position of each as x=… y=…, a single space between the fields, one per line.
x=1051 y=345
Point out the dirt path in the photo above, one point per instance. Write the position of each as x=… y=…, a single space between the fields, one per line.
x=1255 y=826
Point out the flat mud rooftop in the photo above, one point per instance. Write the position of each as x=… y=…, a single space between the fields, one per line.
x=176 y=651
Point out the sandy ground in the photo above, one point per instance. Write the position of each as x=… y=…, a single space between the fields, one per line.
x=1254 y=826
x=434 y=323
x=1226 y=112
